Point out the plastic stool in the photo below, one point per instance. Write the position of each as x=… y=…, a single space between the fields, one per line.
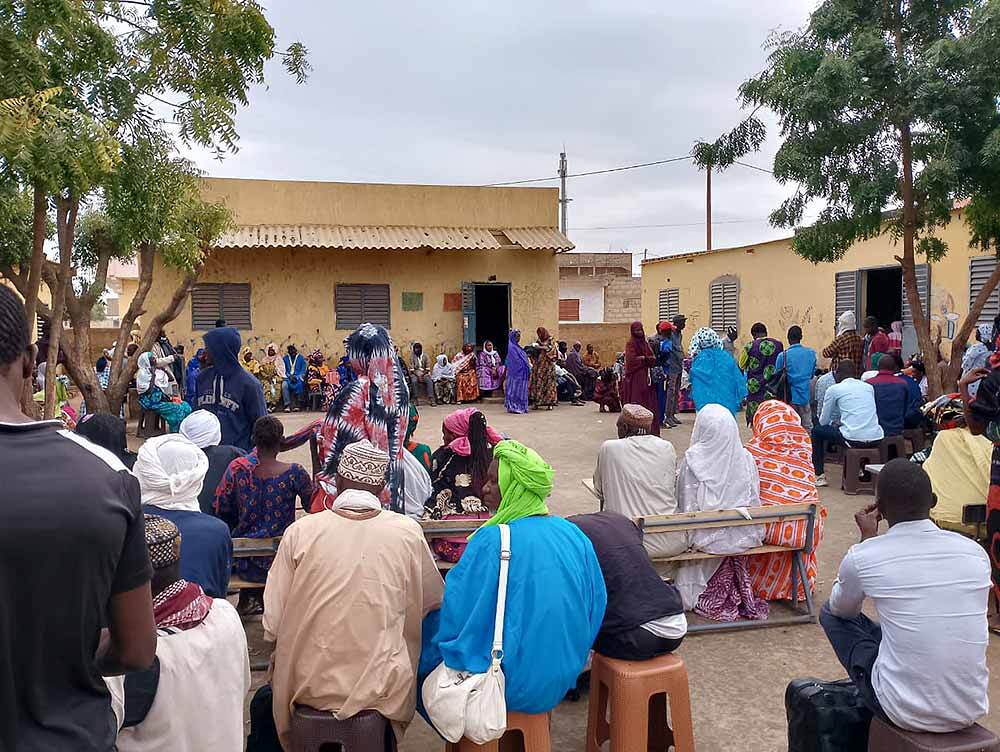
x=834 y=454
x=151 y=423
x=368 y=731
x=892 y=447
x=916 y=438
x=638 y=693
x=534 y=730
x=856 y=479
x=883 y=737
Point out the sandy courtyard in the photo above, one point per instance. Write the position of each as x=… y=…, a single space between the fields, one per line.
x=737 y=679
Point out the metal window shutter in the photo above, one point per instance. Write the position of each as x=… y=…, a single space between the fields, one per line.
x=980 y=269
x=206 y=306
x=375 y=304
x=724 y=301
x=669 y=303
x=569 y=309
x=348 y=306
x=923 y=272
x=845 y=293
x=235 y=302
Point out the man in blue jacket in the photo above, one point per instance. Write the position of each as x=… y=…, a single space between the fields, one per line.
x=229 y=391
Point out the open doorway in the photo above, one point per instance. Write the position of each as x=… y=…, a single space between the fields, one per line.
x=883 y=295
x=493 y=315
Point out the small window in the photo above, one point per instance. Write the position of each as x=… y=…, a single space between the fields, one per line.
x=724 y=299
x=359 y=304
x=569 y=309
x=211 y=302
x=669 y=303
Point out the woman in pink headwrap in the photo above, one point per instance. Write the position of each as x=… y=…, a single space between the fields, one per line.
x=458 y=472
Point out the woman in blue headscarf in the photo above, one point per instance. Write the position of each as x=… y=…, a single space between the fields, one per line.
x=191 y=378
x=715 y=377
x=518 y=372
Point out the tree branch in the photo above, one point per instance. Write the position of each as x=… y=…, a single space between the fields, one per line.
x=135 y=309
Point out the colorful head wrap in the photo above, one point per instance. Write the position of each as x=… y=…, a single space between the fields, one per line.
x=704 y=339
x=458 y=424
x=316 y=358
x=525 y=483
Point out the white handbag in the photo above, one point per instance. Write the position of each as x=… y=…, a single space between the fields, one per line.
x=473 y=706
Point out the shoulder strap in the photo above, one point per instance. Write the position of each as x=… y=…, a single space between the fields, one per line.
x=497 y=652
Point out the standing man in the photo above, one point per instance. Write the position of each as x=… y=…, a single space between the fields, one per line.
x=420 y=374
x=847 y=345
x=675 y=367
x=799 y=363
x=229 y=391
x=74 y=572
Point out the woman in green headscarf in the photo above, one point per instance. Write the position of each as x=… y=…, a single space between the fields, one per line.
x=555 y=591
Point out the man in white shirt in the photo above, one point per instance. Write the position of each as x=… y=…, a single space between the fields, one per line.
x=636 y=475
x=852 y=403
x=923 y=666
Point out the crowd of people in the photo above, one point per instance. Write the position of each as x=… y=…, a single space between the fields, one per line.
x=147 y=653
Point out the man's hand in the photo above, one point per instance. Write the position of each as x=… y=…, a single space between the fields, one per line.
x=868 y=519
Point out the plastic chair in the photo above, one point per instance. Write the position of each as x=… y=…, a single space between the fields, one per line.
x=884 y=737
x=638 y=693
x=534 y=731
x=318 y=731
x=917 y=439
x=151 y=423
x=856 y=479
x=892 y=447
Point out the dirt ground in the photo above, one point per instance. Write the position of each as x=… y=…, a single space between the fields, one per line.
x=737 y=679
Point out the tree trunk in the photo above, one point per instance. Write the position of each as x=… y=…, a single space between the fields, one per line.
x=39 y=221
x=66 y=209
x=79 y=363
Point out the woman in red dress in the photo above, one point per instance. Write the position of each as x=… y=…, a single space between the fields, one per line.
x=636 y=387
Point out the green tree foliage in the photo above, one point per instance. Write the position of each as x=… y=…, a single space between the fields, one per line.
x=888 y=116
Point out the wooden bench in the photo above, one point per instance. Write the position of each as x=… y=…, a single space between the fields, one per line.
x=692 y=521
x=244 y=548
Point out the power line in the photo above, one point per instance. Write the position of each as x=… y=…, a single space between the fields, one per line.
x=676 y=224
x=592 y=172
x=755 y=167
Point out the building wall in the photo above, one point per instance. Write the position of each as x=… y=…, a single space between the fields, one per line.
x=607 y=339
x=293 y=202
x=781 y=289
x=623 y=300
x=589 y=291
x=292 y=292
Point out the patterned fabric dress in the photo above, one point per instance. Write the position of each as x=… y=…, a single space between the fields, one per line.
x=489 y=369
x=375 y=407
x=985 y=408
x=761 y=356
x=783 y=452
x=542 y=382
x=259 y=507
x=466 y=379
x=454 y=498
x=518 y=375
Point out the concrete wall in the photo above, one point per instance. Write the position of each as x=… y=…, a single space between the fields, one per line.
x=590 y=292
x=293 y=202
x=607 y=339
x=623 y=300
x=779 y=288
x=292 y=292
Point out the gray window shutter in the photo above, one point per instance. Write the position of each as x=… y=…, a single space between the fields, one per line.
x=229 y=301
x=669 y=303
x=235 y=304
x=980 y=269
x=206 y=306
x=357 y=304
x=724 y=301
x=846 y=294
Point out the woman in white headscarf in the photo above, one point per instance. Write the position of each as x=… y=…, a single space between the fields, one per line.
x=203 y=429
x=717 y=473
x=155 y=387
x=443 y=376
x=171 y=472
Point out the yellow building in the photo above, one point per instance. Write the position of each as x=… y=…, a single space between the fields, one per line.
x=309 y=261
x=767 y=282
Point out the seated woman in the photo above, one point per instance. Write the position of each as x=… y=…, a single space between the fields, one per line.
x=256 y=498
x=959 y=469
x=606 y=392
x=153 y=383
x=556 y=595
x=489 y=368
x=782 y=450
x=466 y=379
x=421 y=451
x=171 y=471
x=458 y=472
x=107 y=431
x=443 y=376
x=715 y=377
x=718 y=473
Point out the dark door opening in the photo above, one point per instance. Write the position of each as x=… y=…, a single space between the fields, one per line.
x=493 y=315
x=884 y=295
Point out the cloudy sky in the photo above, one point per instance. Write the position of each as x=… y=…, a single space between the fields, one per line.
x=476 y=92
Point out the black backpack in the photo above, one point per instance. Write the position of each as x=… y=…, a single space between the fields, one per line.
x=826 y=717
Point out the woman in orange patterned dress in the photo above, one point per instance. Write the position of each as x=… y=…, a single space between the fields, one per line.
x=783 y=452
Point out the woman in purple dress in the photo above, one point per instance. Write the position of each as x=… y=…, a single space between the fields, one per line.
x=518 y=372
x=489 y=368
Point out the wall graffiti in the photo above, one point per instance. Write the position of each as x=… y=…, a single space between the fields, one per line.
x=944 y=317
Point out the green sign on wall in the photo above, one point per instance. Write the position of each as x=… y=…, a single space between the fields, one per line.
x=413 y=301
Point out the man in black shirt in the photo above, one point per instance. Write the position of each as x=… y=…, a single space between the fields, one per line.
x=73 y=562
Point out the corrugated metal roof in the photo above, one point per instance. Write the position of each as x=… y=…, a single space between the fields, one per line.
x=389 y=238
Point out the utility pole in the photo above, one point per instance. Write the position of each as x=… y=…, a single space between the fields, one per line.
x=563 y=199
x=708 y=207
